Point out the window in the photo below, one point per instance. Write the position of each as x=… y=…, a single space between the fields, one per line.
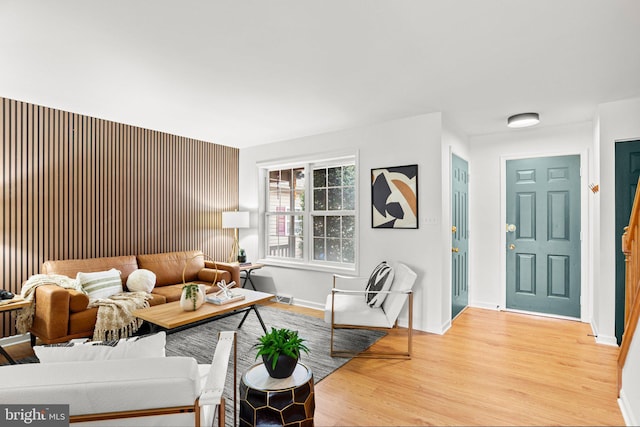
x=310 y=213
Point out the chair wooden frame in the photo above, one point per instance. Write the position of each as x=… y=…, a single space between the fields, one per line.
x=195 y=408
x=367 y=353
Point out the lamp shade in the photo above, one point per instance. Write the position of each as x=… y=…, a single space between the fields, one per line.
x=523 y=120
x=235 y=219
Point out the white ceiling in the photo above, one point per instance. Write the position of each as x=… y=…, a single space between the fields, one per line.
x=242 y=73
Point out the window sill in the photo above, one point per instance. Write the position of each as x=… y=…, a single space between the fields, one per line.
x=307 y=266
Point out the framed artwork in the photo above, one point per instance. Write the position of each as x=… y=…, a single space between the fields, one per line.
x=394 y=197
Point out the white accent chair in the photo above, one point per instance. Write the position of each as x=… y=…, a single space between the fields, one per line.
x=157 y=391
x=346 y=308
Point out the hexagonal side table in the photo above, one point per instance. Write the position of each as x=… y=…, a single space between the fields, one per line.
x=266 y=401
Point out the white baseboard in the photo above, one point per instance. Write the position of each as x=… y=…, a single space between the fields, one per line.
x=630 y=418
x=603 y=339
x=485 y=305
x=307 y=304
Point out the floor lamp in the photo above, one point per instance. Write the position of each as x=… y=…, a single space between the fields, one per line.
x=235 y=220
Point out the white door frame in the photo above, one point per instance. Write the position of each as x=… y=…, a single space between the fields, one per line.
x=586 y=290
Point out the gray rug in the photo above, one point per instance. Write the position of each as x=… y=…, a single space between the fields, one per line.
x=199 y=342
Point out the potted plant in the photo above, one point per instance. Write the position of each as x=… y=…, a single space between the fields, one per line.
x=192 y=297
x=242 y=256
x=280 y=350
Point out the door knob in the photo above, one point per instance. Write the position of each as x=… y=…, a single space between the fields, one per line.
x=454 y=229
x=512 y=246
x=511 y=228
x=456 y=250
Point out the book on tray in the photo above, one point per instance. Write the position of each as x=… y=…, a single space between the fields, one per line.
x=222 y=299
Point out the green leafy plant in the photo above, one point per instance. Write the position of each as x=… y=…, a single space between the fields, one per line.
x=191 y=292
x=279 y=342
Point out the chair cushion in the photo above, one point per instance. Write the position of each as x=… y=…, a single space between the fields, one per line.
x=380 y=280
x=351 y=309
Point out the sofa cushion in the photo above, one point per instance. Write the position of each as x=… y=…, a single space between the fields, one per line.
x=71 y=267
x=141 y=280
x=168 y=266
x=101 y=284
x=77 y=301
x=380 y=280
x=174 y=292
x=209 y=275
x=104 y=385
x=128 y=348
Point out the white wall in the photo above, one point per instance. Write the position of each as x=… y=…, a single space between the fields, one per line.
x=414 y=140
x=630 y=393
x=487 y=226
x=616 y=121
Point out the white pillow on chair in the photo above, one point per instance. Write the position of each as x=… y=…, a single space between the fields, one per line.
x=380 y=280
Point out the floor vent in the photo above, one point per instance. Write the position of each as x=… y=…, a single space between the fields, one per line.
x=284 y=299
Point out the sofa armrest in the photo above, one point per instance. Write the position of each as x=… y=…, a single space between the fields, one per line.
x=233 y=269
x=51 y=317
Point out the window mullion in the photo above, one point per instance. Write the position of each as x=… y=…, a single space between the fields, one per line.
x=307 y=229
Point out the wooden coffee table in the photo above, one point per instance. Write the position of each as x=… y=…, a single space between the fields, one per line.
x=171 y=317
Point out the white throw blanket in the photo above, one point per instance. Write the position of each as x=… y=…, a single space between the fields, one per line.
x=24 y=319
x=114 y=319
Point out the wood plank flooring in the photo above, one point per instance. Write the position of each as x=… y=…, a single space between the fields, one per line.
x=491 y=368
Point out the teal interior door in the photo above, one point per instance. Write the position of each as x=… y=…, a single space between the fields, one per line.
x=460 y=235
x=543 y=235
x=627 y=173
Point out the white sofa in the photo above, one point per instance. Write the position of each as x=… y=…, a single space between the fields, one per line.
x=157 y=391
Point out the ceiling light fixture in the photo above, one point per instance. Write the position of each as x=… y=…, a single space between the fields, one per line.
x=523 y=120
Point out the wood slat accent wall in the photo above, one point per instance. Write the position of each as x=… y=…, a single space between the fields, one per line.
x=79 y=187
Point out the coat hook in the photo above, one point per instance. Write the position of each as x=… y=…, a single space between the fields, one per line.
x=594 y=188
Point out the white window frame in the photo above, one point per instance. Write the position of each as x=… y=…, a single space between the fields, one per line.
x=308 y=163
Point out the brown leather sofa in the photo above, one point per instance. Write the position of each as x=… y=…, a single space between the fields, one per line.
x=62 y=314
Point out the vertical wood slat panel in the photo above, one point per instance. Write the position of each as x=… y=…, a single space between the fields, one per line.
x=75 y=186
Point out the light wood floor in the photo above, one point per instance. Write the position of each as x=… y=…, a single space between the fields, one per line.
x=491 y=368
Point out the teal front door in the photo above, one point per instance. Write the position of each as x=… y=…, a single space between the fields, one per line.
x=627 y=173
x=460 y=235
x=543 y=235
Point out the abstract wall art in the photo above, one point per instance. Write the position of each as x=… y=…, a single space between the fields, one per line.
x=394 y=197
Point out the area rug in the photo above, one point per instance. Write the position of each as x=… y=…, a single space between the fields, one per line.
x=199 y=342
